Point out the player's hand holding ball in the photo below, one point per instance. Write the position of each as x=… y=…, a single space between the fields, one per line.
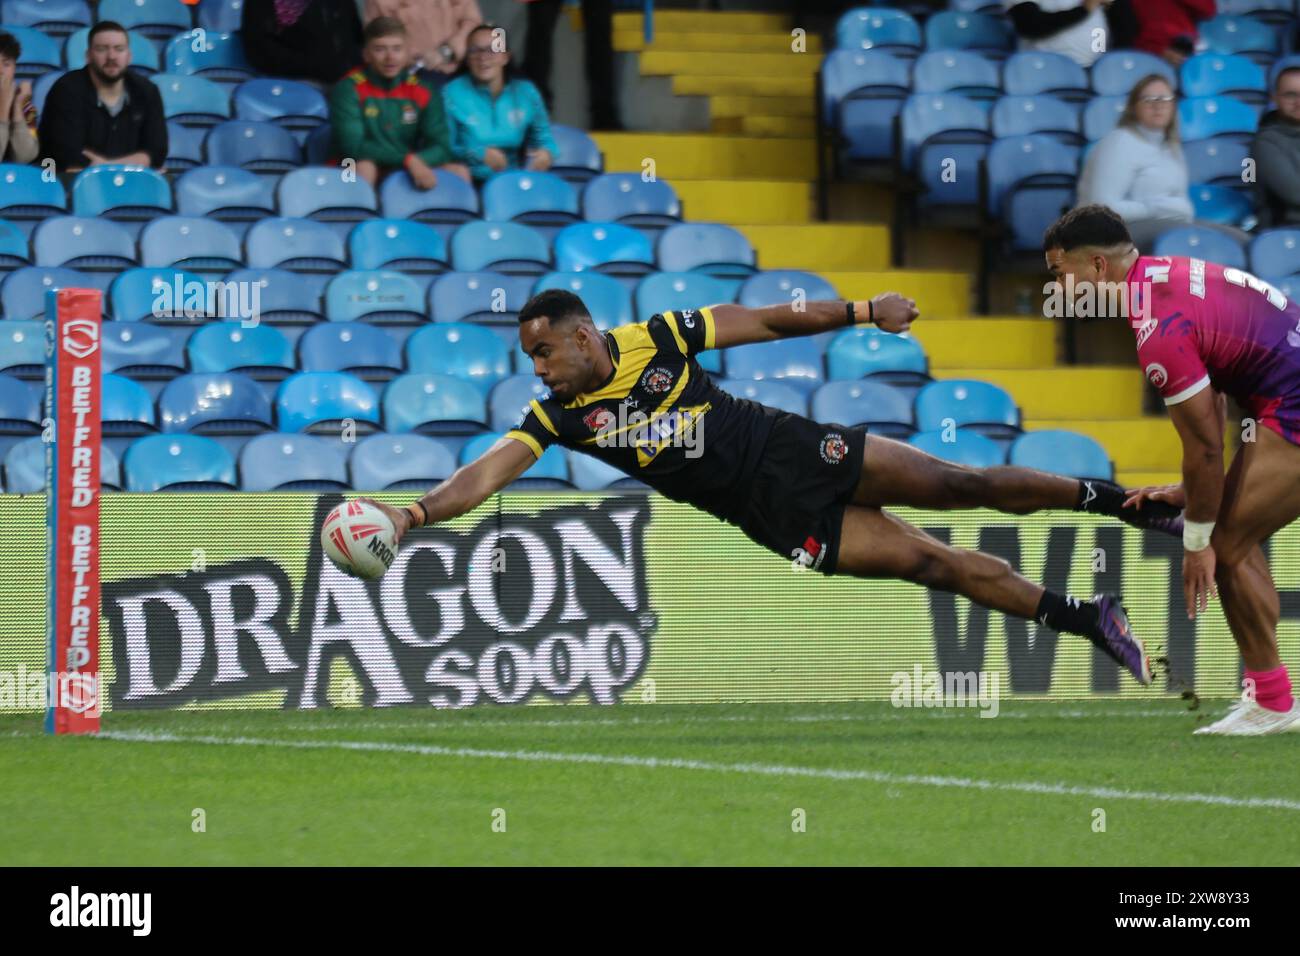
x=361 y=536
x=892 y=312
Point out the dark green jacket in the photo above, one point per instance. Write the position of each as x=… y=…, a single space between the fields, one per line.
x=386 y=120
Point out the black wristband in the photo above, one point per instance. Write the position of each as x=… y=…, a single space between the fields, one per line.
x=424 y=513
x=852 y=319
x=871 y=311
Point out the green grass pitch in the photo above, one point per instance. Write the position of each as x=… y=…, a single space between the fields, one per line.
x=761 y=784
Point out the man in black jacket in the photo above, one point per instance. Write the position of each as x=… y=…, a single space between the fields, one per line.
x=104 y=113
x=1277 y=155
x=302 y=39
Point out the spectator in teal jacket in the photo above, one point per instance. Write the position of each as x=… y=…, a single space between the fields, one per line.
x=497 y=120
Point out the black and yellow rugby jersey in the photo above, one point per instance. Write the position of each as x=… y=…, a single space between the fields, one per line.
x=659 y=417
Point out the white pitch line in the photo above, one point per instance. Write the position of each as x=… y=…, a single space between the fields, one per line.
x=753 y=769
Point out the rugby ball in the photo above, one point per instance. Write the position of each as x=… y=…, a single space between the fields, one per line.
x=359 y=539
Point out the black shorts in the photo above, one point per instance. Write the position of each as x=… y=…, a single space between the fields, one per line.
x=804 y=479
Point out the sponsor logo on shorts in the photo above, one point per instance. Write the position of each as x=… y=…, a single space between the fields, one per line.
x=598 y=419
x=810 y=556
x=688 y=318
x=1158 y=374
x=657 y=381
x=834 y=448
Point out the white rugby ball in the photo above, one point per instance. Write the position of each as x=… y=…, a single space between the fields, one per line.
x=359 y=539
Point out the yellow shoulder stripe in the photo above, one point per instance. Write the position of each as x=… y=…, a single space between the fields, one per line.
x=527 y=439
x=543 y=418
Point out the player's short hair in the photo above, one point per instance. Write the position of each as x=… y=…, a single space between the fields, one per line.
x=383 y=27
x=10 y=48
x=1093 y=225
x=105 y=26
x=1289 y=71
x=557 y=305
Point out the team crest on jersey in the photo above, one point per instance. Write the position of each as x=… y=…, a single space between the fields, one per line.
x=657 y=381
x=598 y=419
x=1158 y=374
x=834 y=448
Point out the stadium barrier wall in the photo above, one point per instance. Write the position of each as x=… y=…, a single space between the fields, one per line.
x=226 y=600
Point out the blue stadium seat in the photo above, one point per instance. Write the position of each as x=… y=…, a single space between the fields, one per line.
x=510 y=398
x=1220 y=162
x=22 y=349
x=406 y=462
x=192 y=100
x=449 y=203
x=1035 y=72
x=487 y=297
x=13 y=247
x=1201 y=243
x=1228 y=34
x=468 y=352
x=1206 y=116
x=579 y=158
x=605 y=247
x=39 y=53
x=1290 y=62
x=221 y=16
x=178 y=463
x=354 y=347
x=768 y=392
x=1289 y=286
x=284 y=298
x=957 y=71
x=22 y=293
x=955 y=123
x=542 y=200
x=1062 y=453
x=299 y=245
x=41 y=88
x=966 y=448
x=320 y=402
x=55 y=18
x=1022 y=115
x=289 y=462
x=508 y=247
x=384 y=297
x=591 y=474
x=122 y=193
x=27 y=197
x=865 y=28
x=20 y=407
x=784 y=286
x=218 y=57
x=631 y=200
x=214 y=403
x=142 y=351
x=225 y=193
x=980 y=406
x=707 y=247
x=251 y=144
x=1101 y=115
x=796 y=362
x=606 y=299
x=144 y=55
x=147 y=293
x=322 y=193
x=434 y=405
x=1031 y=182
x=156 y=19
x=260 y=351
x=880 y=408
x=25 y=468
x=1221 y=204
x=184 y=147
x=412 y=247
x=1280 y=11
x=1214 y=74
x=862 y=352
x=80 y=243
x=863 y=92
x=191 y=242
x=1276 y=252
x=318 y=147
x=1116 y=73
x=951 y=30
x=288 y=103
x=550 y=472
x=127 y=407
x=664 y=291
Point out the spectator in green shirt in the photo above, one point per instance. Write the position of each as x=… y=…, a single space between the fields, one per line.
x=385 y=119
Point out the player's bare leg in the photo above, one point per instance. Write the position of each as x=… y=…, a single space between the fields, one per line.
x=895 y=473
x=874 y=544
x=1261 y=495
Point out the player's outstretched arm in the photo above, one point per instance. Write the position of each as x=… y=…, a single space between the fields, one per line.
x=738 y=325
x=466 y=489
